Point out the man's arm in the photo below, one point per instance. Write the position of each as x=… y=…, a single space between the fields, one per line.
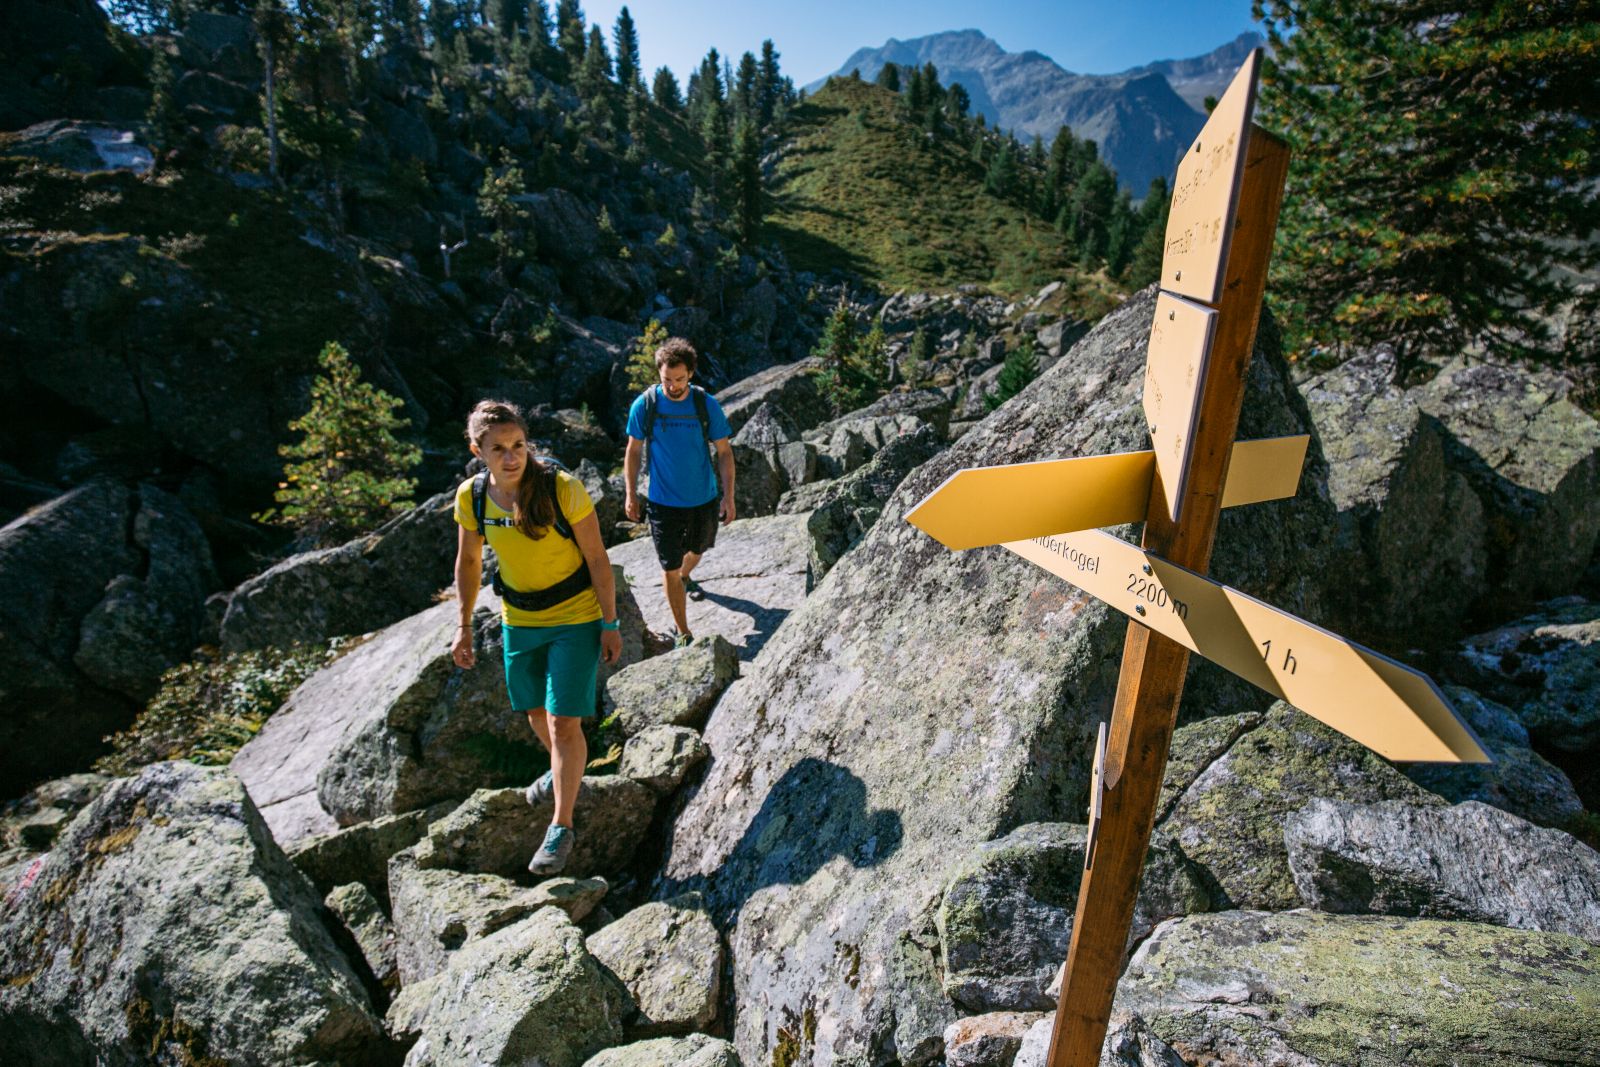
x=725 y=467
x=630 y=478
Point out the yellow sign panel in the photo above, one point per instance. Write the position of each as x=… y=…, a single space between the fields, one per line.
x=1205 y=193
x=1392 y=709
x=1174 y=371
x=989 y=505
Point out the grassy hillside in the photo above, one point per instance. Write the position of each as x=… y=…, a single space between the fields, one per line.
x=859 y=188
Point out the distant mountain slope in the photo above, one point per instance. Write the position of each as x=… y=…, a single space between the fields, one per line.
x=1141 y=123
x=860 y=188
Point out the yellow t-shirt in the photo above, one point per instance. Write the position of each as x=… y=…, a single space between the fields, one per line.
x=530 y=565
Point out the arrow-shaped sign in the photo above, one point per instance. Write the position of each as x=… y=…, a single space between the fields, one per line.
x=1393 y=710
x=992 y=505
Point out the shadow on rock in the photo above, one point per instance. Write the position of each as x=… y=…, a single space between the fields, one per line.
x=815 y=812
x=766 y=620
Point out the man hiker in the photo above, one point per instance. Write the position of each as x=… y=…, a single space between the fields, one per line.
x=672 y=427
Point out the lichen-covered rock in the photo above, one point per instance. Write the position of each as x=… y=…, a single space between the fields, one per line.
x=437 y=910
x=1414 y=528
x=919 y=702
x=695 y=1050
x=1373 y=990
x=101 y=589
x=1519 y=780
x=753 y=577
x=669 y=955
x=168 y=918
x=1533 y=457
x=389 y=727
x=363 y=916
x=1129 y=1043
x=1005 y=923
x=495 y=831
x=790 y=387
x=1546 y=668
x=360 y=586
x=660 y=756
x=676 y=688
x=530 y=993
x=360 y=853
x=762 y=476
x=1229 y=818
x=33 y=821
x=990 y=1040
x=1468 y=861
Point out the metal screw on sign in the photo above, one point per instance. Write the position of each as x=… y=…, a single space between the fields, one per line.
x=1050 y=513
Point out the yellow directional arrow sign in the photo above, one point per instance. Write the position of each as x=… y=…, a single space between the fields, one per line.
x=991 y=505
x=1392 y=709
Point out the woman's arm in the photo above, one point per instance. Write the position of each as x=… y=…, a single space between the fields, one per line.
x=469 y=578
x=587 y=534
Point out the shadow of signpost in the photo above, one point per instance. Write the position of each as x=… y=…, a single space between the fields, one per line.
x=815 y=811
x=765 y=619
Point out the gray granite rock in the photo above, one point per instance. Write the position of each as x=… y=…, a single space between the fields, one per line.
x=919 y=702
x=1229 y=817
x=1129 y=1043
x=437 y=911
x=32 y=821
x=1005 y=922
x=1375 y=990
x=695 y=1050
x=989 y=1040
x=1468 y=861
x=166 y=914
x=529 y=993
x=360 y=853
x=790 y=387
x=660 y=756
x=1546 y=668
x=669 y=955
x=494 y=831
x=753 y=577
x=363 y=916
x=677 y=688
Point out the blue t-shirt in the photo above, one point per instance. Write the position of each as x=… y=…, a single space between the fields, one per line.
x=680 y=472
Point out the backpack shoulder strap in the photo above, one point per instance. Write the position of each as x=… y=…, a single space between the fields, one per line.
x=649 y=412
x=702 y=411
x=563 y=527
x=480 y=489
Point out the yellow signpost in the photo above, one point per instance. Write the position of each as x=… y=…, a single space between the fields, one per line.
x=1219 y=236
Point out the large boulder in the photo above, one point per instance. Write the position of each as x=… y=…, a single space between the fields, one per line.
x=989 y=1040
x=920 y=702
x=1319 y=990
x=695 y=1050
x=355 y=588
x=362 y=915
x=1533 y=457
x=790 y=387
x=676 y=688
x=101 y=590
x=360 y=853
x=1414 y=529
x=495 y=831
x=753 y=578
x=1468 y=861
x=659 y=757
x=529 y=993
x=1005 y=923
x=1228 y=813
x=669 y=955
x=167 y=922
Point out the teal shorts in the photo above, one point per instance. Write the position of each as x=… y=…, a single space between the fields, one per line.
x=552 y=667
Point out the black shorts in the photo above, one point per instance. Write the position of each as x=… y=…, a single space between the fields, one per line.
x=677 y=531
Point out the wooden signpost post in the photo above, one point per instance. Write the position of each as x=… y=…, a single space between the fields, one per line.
x=1219 y=237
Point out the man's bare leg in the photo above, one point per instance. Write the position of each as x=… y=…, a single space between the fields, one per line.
x=672 y=581
x=691 y=560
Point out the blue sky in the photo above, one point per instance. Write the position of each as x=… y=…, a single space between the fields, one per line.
x=814 y=38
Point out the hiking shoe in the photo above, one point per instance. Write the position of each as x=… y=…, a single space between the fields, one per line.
x=681 y=640
x=691 y=588
x=552 y=855
x=542 y=789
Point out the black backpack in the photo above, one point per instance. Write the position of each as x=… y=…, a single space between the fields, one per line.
x=539 y=599
x=702 y=412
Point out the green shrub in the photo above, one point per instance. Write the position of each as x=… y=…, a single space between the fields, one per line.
x=208 y=708
x=642 y=373
x=1020 y=368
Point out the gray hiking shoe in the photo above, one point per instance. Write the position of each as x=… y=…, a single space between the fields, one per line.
x=551 y=857
x=542 y=789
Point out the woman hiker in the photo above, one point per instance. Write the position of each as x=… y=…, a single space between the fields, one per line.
x=558 y=601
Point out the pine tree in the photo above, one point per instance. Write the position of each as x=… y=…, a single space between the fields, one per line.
x=594 y=73
x=743 y=97
x=625 y=39
x=770 y=85
x=1001 y=177
x=888 y=77
x=664 y=88
x=1093 y=202
x=165 y=124
x=642 y=372
x=347 y=473
x=747 y=179
x=1145 y=266
x=497 y=204
x=1020 y=368
x=571 y=42
x=1442 y=171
